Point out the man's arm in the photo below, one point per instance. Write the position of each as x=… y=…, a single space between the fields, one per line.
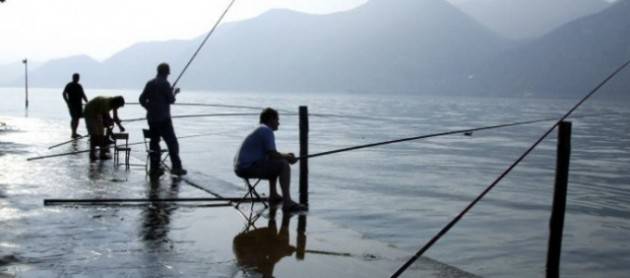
x=143 y=99
x=171 y=93
x=65 y=94
x=117 y=120
x=83 y=94
x=275 y=155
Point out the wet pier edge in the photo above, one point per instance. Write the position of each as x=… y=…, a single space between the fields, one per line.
x=161 y=239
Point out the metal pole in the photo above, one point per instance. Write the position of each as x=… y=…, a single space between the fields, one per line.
x=304 y=155
x=556 y=224
x=25 y=61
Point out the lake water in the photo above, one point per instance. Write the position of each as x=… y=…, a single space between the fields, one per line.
x=403 y=194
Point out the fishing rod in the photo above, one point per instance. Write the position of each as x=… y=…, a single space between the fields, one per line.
x=464 y=131
x=130 y=144
x=503 y=174
x=56 y=155
x=197 y=116
x=203 y=42
x=69 y=141
x=467 y=132
x=209 y=105
x=151 y=200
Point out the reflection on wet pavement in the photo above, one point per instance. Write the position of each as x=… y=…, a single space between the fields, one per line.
x=156 y=239
x=261 y=248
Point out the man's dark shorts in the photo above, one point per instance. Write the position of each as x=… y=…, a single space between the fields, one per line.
x=76 y=111
x=264 y=169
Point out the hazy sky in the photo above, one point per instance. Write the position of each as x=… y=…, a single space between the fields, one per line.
x=48 y=29
x=45 y=29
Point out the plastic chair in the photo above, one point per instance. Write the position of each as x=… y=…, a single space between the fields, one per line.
x=121 y=147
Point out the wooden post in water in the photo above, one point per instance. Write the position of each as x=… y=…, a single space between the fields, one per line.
x=556 y=223
x=301 y=238
x=25 y=62
x=304 y=155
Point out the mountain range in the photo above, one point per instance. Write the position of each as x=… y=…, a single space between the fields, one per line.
x=402 y=46
x=518 y=19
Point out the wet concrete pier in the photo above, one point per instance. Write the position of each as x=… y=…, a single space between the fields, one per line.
x=159 y=239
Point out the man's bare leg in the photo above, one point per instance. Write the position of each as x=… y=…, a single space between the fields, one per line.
x=273 y=193
x=285 y=184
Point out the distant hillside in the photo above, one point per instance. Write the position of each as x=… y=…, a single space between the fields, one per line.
x=386 y=45
x=518 y=19
x=9 y=73
x=406 y=46
x=569 y=61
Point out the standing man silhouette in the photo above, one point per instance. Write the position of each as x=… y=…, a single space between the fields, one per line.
x=156 y=98
x=74 y=96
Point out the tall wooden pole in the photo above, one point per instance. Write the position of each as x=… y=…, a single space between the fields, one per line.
x=301 y=238
x=556 y=224
x=25 y=62
x=304 y=155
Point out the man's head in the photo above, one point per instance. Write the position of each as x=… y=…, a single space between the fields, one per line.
x=270 y=117
x=75 y=77
x=118 y=101
x=163 y=69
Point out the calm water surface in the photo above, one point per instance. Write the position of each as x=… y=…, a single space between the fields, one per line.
x=403 y=194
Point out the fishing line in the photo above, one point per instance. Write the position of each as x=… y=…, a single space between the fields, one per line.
x=203 y=42
x=498 y=179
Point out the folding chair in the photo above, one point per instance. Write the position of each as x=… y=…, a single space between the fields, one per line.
x=251 y=190
x=146 y=133
x=121 y=147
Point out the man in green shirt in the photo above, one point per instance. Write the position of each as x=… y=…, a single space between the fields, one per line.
x=96 y=114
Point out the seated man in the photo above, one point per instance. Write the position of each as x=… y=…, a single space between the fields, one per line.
x=96 y=115
x=258 y=158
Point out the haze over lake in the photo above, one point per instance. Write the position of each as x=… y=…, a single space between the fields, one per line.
x=402 y=194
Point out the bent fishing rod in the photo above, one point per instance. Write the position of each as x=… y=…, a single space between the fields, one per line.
x=203 y=42
x=502 y=175
x=467 y=132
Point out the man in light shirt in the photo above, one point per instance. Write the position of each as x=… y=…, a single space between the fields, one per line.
x=258 y=158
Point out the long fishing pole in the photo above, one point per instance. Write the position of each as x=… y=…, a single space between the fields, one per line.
x=144 y=200
x=208 y=105
x=55 y=155
x=197 y=116
x=465 y=131
x=203 y=42
x=130 y=144
x=69 y=141
x=508 y=170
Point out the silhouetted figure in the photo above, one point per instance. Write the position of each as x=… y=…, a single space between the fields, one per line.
x=258 y=158
x=97 y=116
x=74 y=96
x=156 y=98
x=262 y=248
